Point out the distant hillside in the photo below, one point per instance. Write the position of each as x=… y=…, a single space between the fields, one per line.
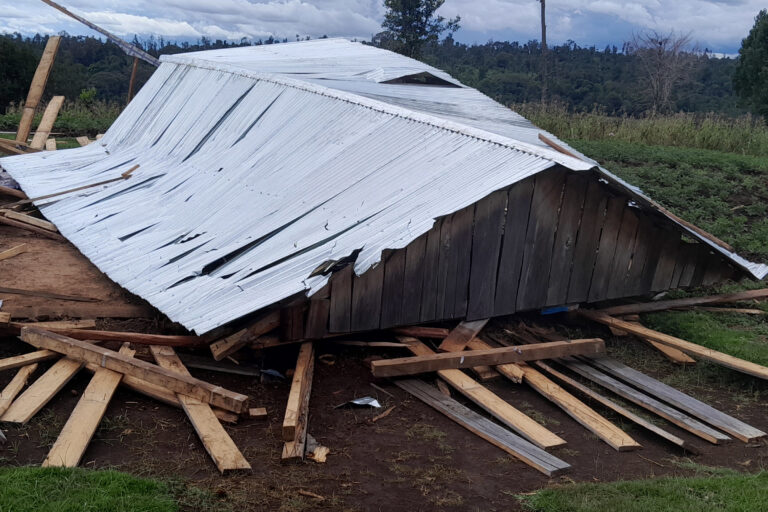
x=582 y=79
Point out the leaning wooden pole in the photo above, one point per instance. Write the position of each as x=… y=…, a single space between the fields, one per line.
x=37 y=87
x=132 y=83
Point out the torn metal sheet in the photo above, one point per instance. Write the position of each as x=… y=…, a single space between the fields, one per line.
x=259 y=164
x=366 y=401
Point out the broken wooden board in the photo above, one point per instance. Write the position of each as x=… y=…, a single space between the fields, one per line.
x=296 y=447
x=217 y=442
x=46 y=122
x=575 y=408
x=639 y=398
x=184 y=384
x=34 y=229
x=610 y=404
x=484 y=428
x=14 y=387
x=459 y=336
x=41 y=391
x=492 y=357
x=661 y=305
x=231 y=344
x=78 y=431
x=714 y=356
x=15 y=251
x=28 y=219
x=492 y=403
x=672 y=396
x=300 y=386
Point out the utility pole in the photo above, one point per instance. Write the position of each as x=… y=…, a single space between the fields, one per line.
x=544 y=75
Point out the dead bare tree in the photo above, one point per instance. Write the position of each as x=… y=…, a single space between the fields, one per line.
x=667 y=60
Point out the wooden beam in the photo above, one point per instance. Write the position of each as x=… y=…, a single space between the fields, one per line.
x=295 y=447
x=217 y=442
x=132 y=82
x=87 y=352
x=47 y=295
x=45 y=127
x=492 y=357
x=41 y=391
x=28 y=219
x=643 y=400
x=37 y=87
x=692 y=349
x=692 y=406
x=422 y=332
x=80 y=330
x=57 y=324
x=15 y=148
x=15 y=386
x=492 y=403
x=27 y=227
x=458 y=338
x=9 y=363
x=485 y=429
x=671 y=353
x=575 y=408
x=85 y=418
x=231 y=344
x=300 y=386
x=661 y=305
x=638 y=420
x=741 y=311
x=15 y=251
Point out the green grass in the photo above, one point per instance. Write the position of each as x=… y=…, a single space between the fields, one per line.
x=731 y=492
x=36 y=489
x=723 y=193
x=75 y=118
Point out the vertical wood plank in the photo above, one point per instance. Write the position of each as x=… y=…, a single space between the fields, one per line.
x=513 y=246
x=413 y=280
x=341 y=300
x=430 y=270
x=462 y=227
x=486 y=249
x=587 y=240
x=445 y=269
x=394 y=291
x=539 y=240
x=702 y=261
x=690 y=255
x=665 y=267
x=565 y=239
x=652 y=238
x=606 y=248
x=317 y=318
x=366 y=299
x=625 y=247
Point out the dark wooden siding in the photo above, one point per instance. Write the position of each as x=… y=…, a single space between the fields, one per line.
x=552 y=239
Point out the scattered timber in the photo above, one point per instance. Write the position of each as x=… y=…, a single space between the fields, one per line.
x=11 y=391
x=492 y=403
x=47 y=295
x=46 y=123
x=28 y=227
x=704 y=412
x=671 y=353
x=484 y=428
x=300 y=386
x=692 y=349
x=231 y=344
x=184 y=384
x=15 y=251
x=85 y=418
x=458 y=338
x=295 y=447
x=422 y=332
x=610 y=404
x=28 y=219
x=661 y=305
x=495 y=356
x=217 y=442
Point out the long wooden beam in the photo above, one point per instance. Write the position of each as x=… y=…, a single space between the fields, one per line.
x=85 y=418
x=492 y=403
x=217 y=442
x=492 y=357
x=300 y=386
x=15 y=386
x=231 y=344
x=80 y=333
x=692 y=349
x=46 y=123
x=34 y=229
x=661 y=305
x=90 y=353
x=37 y=87
x=296 y=446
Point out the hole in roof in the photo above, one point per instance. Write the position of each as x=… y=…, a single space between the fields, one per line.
x=423 y=78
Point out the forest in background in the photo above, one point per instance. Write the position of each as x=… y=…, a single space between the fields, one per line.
x=582 y=79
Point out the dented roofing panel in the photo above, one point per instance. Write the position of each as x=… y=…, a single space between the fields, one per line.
x=255 y=170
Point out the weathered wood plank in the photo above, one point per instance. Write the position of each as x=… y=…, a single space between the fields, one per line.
x=665 y=268
x=460 y=335
x=454 y=360
x=295 y=447
x=539 y=240
x=446 y=269
x=482 y=427
x=11 y=391
x=625 y=247
x=430 y=269
x=413 y=281
x=366 y=299
x=299 y=387
x=341 y=300
x=231 y=344
x=15 y=251
x=585 y=250
x=46 y=123
x=646 y=241
x=317 y=318
x=661 y=305
x=37 y=87
x=394 y=291
x=606 y=248
x=486 y=249
x=463 y=227
x=513 y=246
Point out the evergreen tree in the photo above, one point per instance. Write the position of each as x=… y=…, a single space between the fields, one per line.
x=750 y=79
x=410 y=24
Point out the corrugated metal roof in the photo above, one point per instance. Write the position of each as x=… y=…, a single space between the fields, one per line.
x=258 y=164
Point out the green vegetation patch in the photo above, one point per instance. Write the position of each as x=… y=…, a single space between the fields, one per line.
x=734 y=492
x=35 y=489
x=723 y=193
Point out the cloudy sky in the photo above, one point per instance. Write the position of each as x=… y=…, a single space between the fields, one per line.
x=715 y=24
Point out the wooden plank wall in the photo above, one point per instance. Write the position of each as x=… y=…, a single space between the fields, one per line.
x=556 y=238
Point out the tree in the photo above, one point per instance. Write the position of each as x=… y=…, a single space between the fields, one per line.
x=666 y=61
x=410 y=24
x=750 y=79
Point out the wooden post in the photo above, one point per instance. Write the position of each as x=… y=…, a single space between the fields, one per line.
x=132 y=83
x=36 y=89
x=46 y=123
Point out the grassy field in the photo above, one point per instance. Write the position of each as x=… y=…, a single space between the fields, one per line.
x=75 y=118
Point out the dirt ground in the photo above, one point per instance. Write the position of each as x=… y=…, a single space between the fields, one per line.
x=413 y=459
